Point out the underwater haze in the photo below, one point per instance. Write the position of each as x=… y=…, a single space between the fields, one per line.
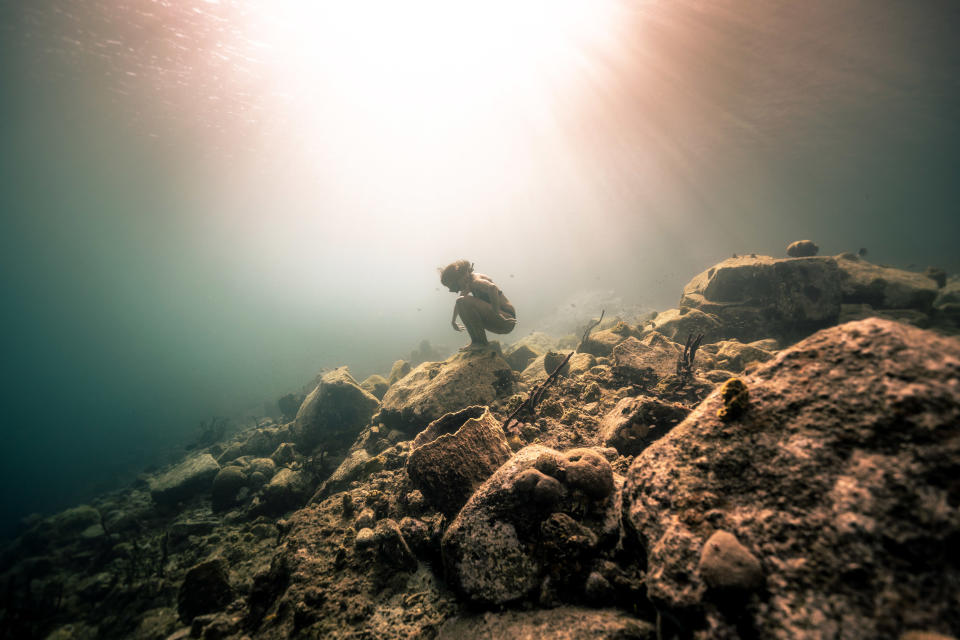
x=204 y=203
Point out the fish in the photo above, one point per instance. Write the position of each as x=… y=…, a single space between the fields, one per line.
x=862 y=251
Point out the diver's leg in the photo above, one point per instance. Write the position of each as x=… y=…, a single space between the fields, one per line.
x=469 y=311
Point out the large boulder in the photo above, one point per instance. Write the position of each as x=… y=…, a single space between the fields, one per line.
x=191 y=477
x=534 y=529
x=884 y=287
x=435 y=388
x=836 y=482
x=455 y=454
x=757 y=297
x=334 y=412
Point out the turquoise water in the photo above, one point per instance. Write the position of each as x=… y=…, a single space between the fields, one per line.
x=200 y=211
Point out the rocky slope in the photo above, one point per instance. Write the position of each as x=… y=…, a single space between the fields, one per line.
x=789 y=486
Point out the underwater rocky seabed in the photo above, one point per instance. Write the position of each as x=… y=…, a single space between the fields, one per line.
x=802 y=482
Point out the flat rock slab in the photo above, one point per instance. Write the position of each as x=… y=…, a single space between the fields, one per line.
x=839 y=476
x=190 y=477
x=562 y=623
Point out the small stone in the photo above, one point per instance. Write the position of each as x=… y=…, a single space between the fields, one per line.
x=727 y=565
x=365 y=538
x=366 y=519
x=597 y=589
x=802 y=249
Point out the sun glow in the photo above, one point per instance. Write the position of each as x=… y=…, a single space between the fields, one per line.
x=429 y=75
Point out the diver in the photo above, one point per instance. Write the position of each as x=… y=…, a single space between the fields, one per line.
x=481 y=305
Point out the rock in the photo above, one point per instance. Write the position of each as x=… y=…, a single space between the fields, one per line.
x=334 y=413
x=644 y=361
x=636 y=422
x=601 y=343
x=398 y=371
x=884 y=287
x=205 y=589
x=677 y=324
x=509 y=538
x=949 y=294
x=518 y=357
x=733 y=355
x=851 y=312
x=286 y=491
x=366 y=519
x=255 y=442
x=762 y=297
x=392 y=547
x=365 y=538
x=189 y=478
x=352 y=468
x=284 y=454
x=436 y=388
x=265 y=466
x=375 y=385
x=838 y=479
x=936 y=274
x=727 y=565
x=454 y=455
x=802 y=249
x=561 y=623
x=542 y=366
x=226 y=484
x=580 y=363
x=73 y=522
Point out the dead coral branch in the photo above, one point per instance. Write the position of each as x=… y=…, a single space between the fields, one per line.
x=685 y=360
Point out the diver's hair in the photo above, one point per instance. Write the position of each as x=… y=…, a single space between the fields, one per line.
x=451 y=273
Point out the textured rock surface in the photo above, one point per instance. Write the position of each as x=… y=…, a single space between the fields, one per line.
x=334 y=412
x=802 y=249
x=677 y=324
x=185 y=480
x=840 y=477
x=534 y=528
x=646 y=360
x=435 y=388
x=447 y=467
x=561 y=623
x=884 y=287
x=637 y=421
x=762 y=297
x=205 y=588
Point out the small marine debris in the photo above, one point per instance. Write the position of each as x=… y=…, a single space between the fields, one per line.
x=736 y=399
x=802 y=249
x=685 y=360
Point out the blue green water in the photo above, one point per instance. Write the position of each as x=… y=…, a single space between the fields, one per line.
x=173 y=248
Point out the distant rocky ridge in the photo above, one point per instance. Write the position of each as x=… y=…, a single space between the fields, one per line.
x=800 y=483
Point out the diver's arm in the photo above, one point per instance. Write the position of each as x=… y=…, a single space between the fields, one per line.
x=453 y=320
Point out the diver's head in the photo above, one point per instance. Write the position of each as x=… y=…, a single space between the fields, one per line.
x=454 y=275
